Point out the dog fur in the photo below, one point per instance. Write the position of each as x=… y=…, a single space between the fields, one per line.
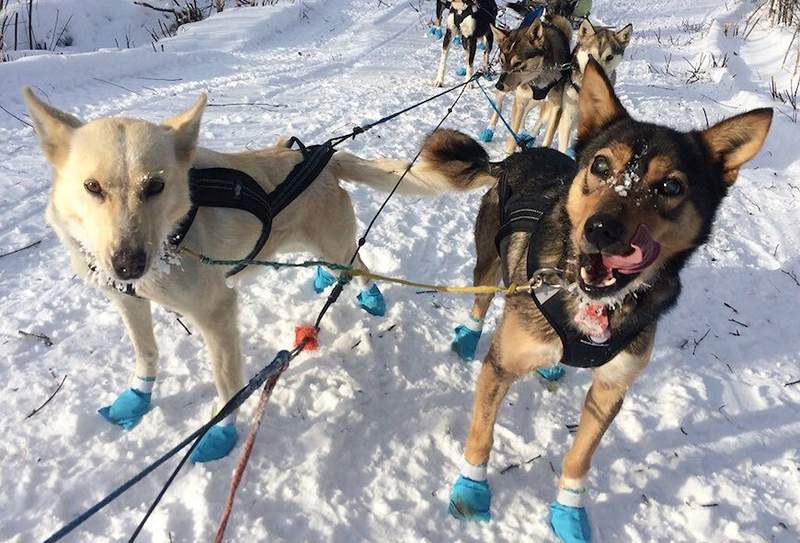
x=469 y=19
x=120 y=187
x=675 y=183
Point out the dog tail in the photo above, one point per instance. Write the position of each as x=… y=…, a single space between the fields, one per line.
x=563 y=24
x=449 y=161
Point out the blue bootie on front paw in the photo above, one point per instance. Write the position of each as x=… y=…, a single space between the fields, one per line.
x=371 y=300
x=465 y=342
x=470 y=500
x=436 y=32
x=323 y=279
x=217 y=443
x=570 y=152
x=487 y=134
x=457 y=41
x=570 y=524
x=128 y=409
x=552 y=373
x=461 y=72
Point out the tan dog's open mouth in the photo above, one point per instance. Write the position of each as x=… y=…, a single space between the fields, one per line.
x=602 y=273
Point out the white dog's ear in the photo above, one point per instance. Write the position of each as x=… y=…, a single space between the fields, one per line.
x=186 y=127
x=624 y=35
x=53 y=126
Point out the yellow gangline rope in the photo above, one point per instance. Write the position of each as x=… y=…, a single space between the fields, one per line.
x=356 y=272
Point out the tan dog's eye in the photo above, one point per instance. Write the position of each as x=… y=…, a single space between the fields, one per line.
x=152 y=187
x=669 y=187
x=601 y=167
x=609 y=58
x=93 y=187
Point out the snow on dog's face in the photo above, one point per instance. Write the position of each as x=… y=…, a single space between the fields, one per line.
x=645 y=196
x=120 y=185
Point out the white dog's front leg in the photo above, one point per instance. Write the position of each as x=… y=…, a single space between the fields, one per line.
x=134 y=402
x=448 y=34
x=138 y=321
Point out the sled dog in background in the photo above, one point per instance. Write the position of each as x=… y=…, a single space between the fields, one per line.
x=469 y=19
x=620 y=224
x=605 y=45
x=534 y=61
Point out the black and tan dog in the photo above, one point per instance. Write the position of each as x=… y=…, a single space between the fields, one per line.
x=618 y=227
x=469 y=19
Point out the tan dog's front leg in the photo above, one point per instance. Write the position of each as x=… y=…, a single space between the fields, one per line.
x=603 y=401
x=470 y=498
x=493 y=385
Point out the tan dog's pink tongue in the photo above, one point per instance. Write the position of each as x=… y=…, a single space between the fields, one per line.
x=645 y=251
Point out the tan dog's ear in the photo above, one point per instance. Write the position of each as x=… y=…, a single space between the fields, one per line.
x=500 y=34
x=186 y=127
x=599 y=105
x=536 y=31
x=736 y=140
x=585 y=30
x=624 y=35
x=54 y=127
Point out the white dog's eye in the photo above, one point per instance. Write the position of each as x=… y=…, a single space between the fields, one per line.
x=152 y=187
x=93 y=187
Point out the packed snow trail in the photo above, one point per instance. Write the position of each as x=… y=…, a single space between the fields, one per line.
x=363 y=437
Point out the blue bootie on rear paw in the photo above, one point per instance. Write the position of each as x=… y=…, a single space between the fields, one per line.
x=461 y=72
x=470 y=500
x=436 y=32
x=570 y=524
x=486 y=135
x=128 y=409
x=570 y=152
x=481 y=46
x=217 y=443
x=457 y=41
x=465 y=340
x=323 y=279
x=526 y=141
x=553 y=373
x=371 y=300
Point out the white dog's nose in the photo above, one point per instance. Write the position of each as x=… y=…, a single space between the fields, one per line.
x=129 y=263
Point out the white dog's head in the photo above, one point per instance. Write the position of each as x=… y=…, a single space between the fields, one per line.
x=120 y=185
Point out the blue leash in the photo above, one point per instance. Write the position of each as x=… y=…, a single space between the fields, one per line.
x=522 y=142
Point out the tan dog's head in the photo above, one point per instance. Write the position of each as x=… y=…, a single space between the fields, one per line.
x=605 y=45
x=120 y=185
x=645 y=196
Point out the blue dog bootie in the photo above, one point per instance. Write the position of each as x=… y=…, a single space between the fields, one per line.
x=568 y=517
x=217 y=443
x=526 y=141
x=436 y=32
x=371 y=300
x=131 y=405
x=461 y=72
x=471 y=497
x=552 y=373
x=457 y=41
x=570 y=152
x=486 y=135
x=465 y=340
x=323 y=279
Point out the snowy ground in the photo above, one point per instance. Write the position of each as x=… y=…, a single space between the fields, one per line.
x=363 y=437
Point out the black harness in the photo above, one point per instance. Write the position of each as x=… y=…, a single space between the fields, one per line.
x=540 y=93
x=523 y=212
x=234 y=189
